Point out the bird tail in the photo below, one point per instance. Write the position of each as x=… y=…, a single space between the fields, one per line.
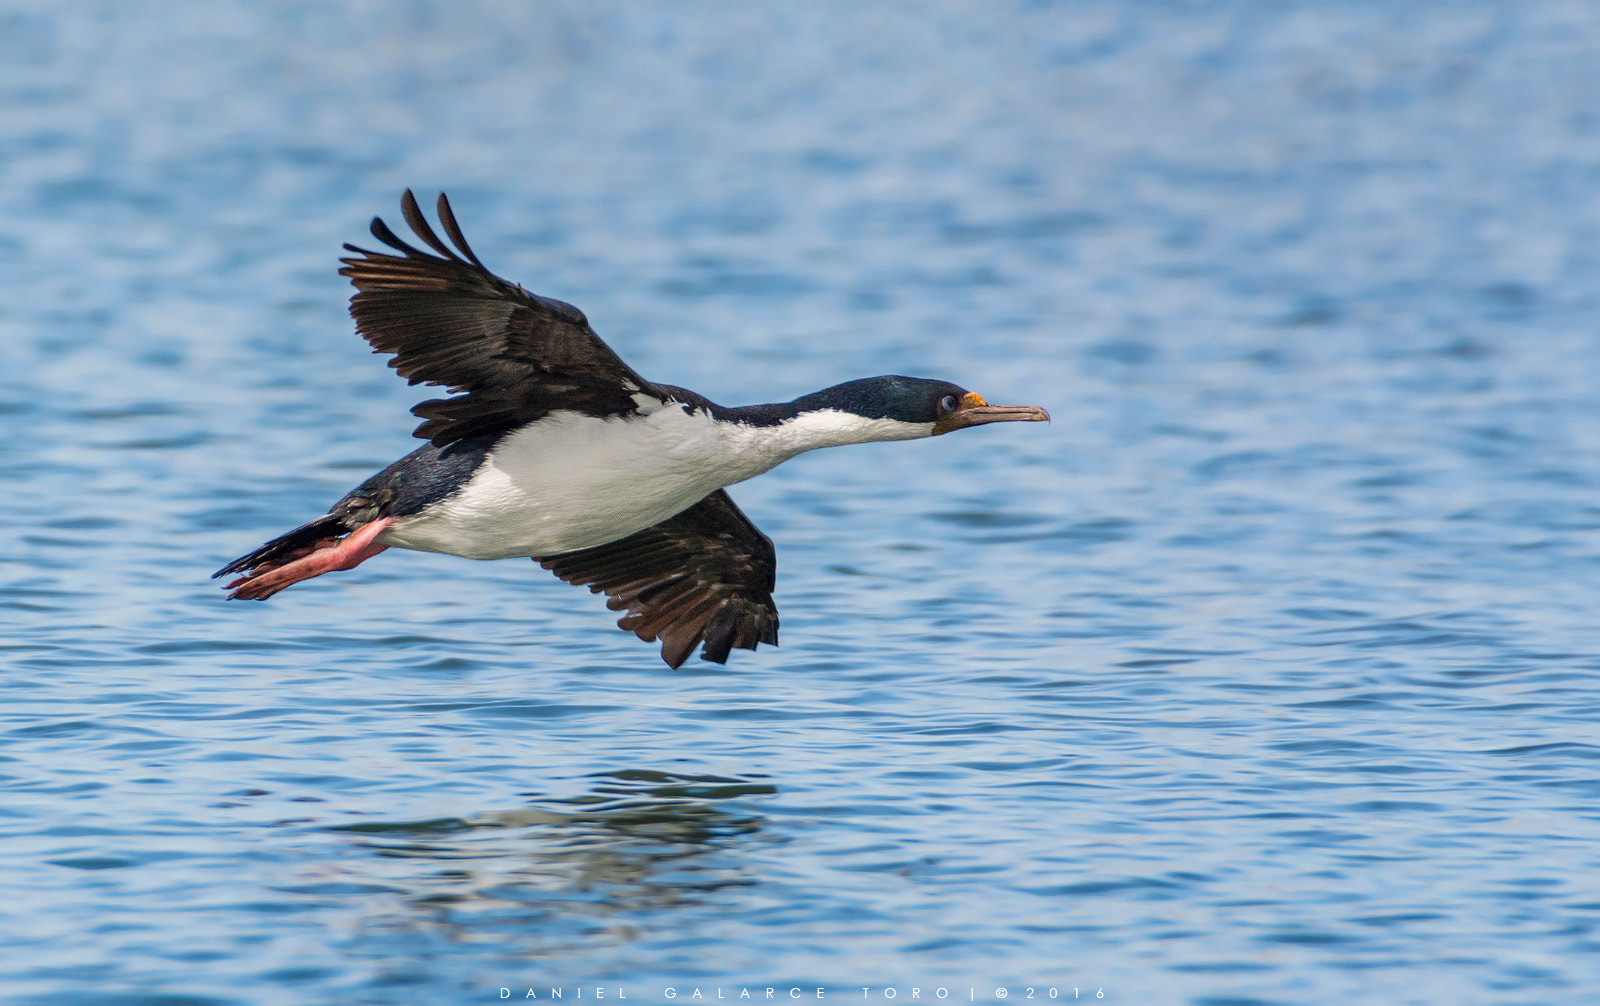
x=331 y=525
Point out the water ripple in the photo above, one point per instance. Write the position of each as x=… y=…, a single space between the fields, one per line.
x=1264 y=674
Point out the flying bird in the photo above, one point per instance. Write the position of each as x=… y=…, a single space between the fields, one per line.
x=554 y=448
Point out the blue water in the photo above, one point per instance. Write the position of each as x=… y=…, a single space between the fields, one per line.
x=1268 y=673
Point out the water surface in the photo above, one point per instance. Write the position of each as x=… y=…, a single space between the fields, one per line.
x=1265 y=674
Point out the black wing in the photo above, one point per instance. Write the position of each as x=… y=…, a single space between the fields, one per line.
x=448 y=320
x=707 y=573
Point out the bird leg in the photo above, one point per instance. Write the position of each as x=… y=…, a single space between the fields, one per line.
x=324 y=556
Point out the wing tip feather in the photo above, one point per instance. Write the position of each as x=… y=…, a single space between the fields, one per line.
x=447 y=218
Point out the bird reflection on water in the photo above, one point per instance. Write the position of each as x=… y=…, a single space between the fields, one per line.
x=639 y=842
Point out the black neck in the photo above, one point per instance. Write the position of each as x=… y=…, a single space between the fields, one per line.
x=889 y=397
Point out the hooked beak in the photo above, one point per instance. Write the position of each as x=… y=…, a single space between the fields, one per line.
x=974 y=411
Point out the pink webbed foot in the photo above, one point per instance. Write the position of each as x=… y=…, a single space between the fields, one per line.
x=325 y=556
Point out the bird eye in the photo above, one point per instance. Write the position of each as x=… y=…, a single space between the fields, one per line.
x=947 y=403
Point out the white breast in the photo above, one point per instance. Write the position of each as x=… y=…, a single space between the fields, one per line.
x=571 y=481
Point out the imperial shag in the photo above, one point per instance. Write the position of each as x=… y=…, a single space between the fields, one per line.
x=553 y=448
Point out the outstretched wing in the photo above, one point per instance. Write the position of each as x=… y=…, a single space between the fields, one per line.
x=516 y=356
x=706 y=574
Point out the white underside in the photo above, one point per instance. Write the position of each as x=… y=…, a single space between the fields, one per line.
x=571 y=481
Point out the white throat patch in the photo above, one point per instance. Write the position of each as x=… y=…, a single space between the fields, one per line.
x=833 y=428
